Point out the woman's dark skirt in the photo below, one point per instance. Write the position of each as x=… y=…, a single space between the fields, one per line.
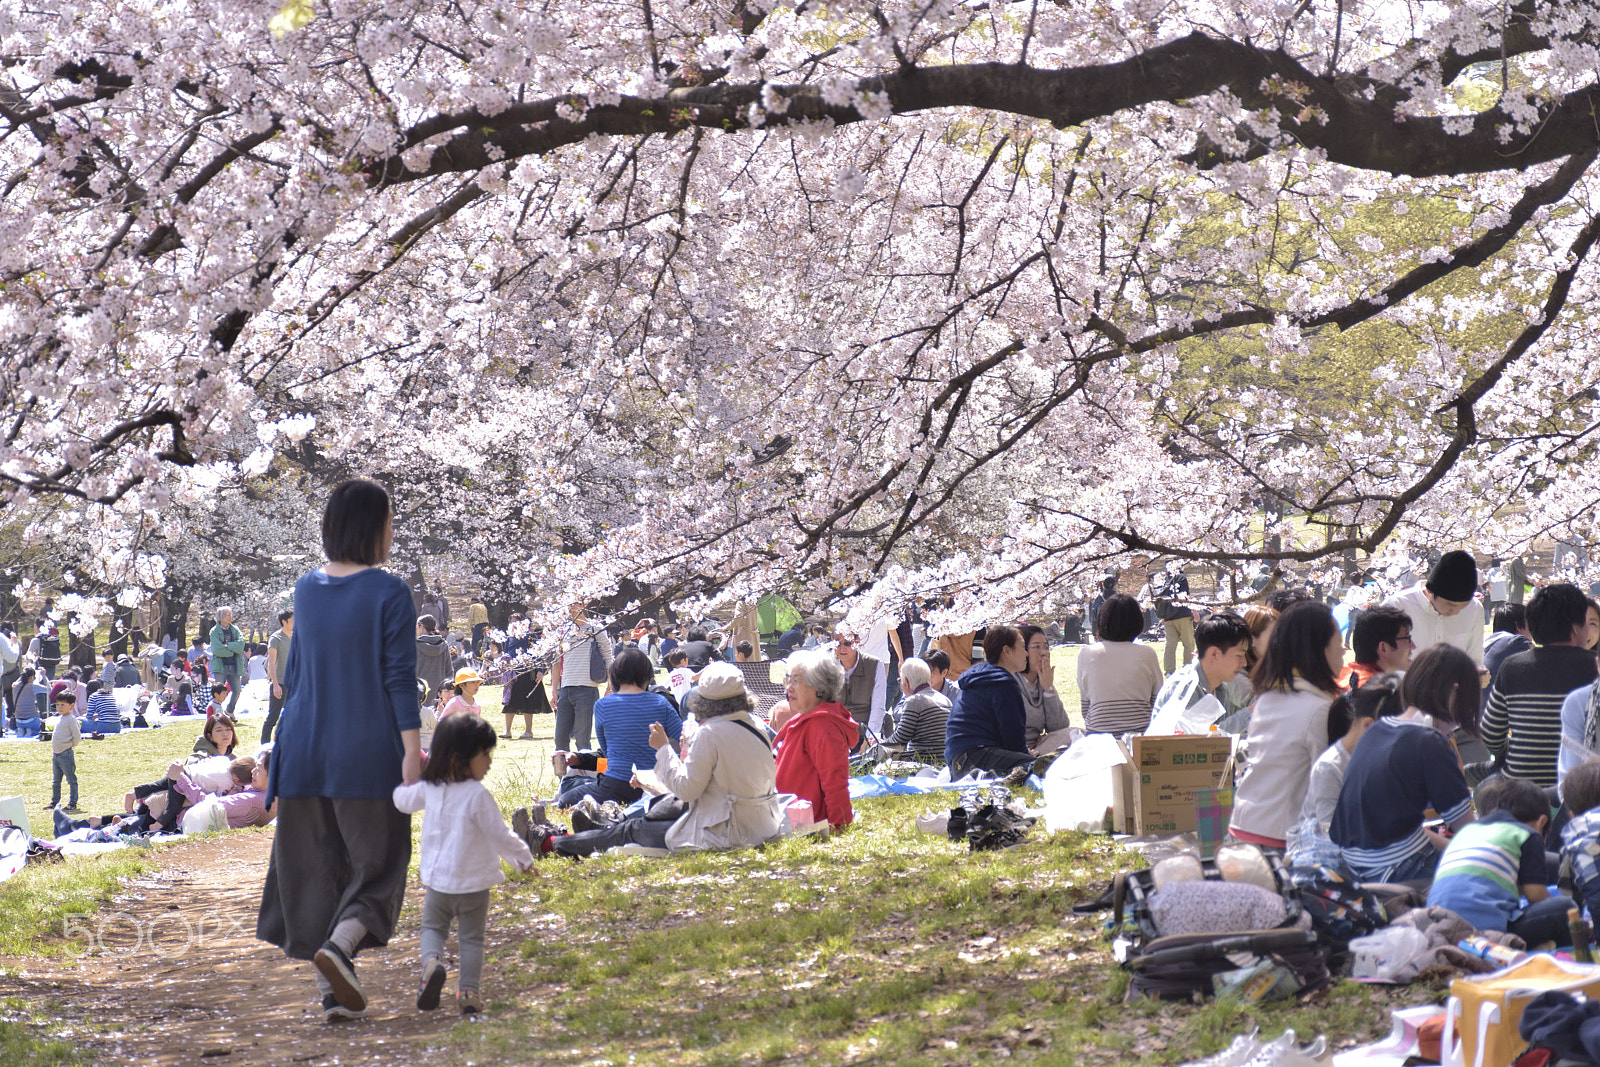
x=334 y=859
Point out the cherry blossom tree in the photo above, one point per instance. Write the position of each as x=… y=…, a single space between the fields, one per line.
x=846 y=296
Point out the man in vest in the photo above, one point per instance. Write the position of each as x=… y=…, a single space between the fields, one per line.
x=859 y=696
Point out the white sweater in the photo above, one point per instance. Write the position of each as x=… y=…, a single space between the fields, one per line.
x=463 y=835
x=1118 y=682
x=1288 y=731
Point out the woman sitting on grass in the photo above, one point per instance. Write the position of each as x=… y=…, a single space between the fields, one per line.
x=814 y=744
x=218 y=738
x=1296 y=681
x=622 y=721
x=103 y=716
x=1403 y=766
x=723 y=791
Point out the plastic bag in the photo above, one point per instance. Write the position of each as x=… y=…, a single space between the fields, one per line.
x=1180 y=868
x=1080 y=786
x=1307 y=844
x=1195 y=719
x=1245 y=863
x=204 y=817
x=1381 y=955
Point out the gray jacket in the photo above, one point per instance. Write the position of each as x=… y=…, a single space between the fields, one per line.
x=1043 y=705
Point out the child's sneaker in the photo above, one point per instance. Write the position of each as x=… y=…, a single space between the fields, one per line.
x=433 y=976
x=469 y=1002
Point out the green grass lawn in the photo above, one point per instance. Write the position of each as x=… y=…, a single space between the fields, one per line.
x=882 y=944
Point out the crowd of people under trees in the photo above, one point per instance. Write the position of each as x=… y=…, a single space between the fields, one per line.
x=374 y=715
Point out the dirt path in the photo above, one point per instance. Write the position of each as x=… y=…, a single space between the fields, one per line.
x=174 y=963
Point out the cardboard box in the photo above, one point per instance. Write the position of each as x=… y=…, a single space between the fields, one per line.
x=1123 y=819
x=1171 y=771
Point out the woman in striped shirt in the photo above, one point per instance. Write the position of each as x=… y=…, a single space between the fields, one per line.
x=1117 y=679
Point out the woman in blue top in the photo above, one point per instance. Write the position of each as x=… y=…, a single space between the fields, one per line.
x=622 y=721
x=348 y=736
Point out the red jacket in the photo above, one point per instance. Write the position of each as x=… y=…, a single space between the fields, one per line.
x=814 y=761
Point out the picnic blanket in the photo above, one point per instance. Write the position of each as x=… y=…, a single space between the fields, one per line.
x=878 y=785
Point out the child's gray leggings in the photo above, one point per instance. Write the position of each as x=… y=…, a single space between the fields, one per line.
x=471 y=913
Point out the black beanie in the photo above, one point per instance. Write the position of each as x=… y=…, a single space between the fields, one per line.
x=1454 y=577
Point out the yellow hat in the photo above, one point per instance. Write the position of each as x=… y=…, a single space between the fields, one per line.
x=467 y=674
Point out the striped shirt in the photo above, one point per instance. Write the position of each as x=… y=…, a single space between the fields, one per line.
x=1482 y=872
x=920 y=721
x=1399 y=769
x=1117 y=683
x=103 y=711
x=575 y=663
x=1580 y=851
x=1522 y=721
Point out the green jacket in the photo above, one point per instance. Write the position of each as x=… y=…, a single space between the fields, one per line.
x=227 y=648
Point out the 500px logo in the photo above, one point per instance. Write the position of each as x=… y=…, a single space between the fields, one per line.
x=123 y=936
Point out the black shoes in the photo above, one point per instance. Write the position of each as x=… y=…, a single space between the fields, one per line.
x=334 y=1012
x=340 y=972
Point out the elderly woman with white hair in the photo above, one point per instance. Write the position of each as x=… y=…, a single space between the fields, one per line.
x=722 y=788
x=815 y=741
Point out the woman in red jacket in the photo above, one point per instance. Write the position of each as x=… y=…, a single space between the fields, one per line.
x=814 y=745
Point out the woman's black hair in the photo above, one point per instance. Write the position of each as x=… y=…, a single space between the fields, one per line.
x=1120 y=619
x=456 y=743
x=632 y=667
x=697 y=633
x=185 y=688
x=1298 y=646
x=353 y=522
x=1442 y=681
x=92 y=686
x=1379 y=698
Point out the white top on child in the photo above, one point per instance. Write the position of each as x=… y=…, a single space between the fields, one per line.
x=464 y=837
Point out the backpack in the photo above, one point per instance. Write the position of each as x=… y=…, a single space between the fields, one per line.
x=598 y=672
x=1341 y=909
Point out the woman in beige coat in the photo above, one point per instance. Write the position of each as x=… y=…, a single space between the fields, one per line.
x=721 y=791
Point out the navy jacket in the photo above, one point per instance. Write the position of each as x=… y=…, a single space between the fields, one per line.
x=989 y=713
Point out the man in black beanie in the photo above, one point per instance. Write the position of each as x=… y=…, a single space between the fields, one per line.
x=1438 y=606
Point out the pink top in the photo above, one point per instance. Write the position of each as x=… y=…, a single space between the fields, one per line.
x=459 y=705
x=244 y=808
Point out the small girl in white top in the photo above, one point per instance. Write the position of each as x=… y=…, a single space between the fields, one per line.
x=464 y=838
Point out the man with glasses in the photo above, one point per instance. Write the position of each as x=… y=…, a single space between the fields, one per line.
x=1381 y=640
x=860 y=680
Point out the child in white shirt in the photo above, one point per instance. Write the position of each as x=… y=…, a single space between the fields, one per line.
x=464 y=838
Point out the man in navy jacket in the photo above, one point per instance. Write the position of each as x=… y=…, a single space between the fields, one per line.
x=987 y=730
